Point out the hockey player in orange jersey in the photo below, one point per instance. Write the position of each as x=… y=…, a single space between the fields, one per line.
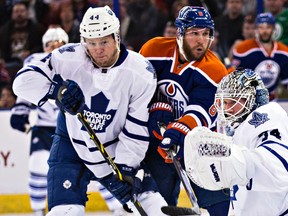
x=187 y=77
x=264 y=55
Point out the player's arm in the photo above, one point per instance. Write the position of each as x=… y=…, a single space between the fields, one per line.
x=134 y=137
x=19 y=119
x=214 y=162
x=39 y=82
x=198 y=112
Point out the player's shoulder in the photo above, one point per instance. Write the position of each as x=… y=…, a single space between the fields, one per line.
x=246 y=45
x=138 y=65
x=34 y=57
x=282 y=47
x=159 y=47
x=69 y=52
x=267 y=117
x=212 y=66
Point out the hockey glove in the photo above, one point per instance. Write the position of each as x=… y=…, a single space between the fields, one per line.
x=160 y=112
x=174 y=138
x=132 y=176
x=20 y=122
x=121 y=190
x=68 y=95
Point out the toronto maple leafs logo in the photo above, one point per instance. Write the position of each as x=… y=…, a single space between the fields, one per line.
x=258 y=119
x=98 y=116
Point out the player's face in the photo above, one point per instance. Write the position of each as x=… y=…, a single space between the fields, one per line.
x=104 y=51
x=51 y=45
x=233 y=106
x=265 y=32
x=248 y=30
x=196 y=42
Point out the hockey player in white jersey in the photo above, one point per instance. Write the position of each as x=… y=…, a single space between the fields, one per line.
x=252 y=157
x=112 y=87
x=44 y=128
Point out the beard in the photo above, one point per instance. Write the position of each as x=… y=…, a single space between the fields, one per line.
x=190 y=56
x=265 y=38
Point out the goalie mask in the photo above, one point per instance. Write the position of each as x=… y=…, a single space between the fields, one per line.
x=238 y=94
x=193 y=17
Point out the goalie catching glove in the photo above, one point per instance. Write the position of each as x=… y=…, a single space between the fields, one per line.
x=212 y=161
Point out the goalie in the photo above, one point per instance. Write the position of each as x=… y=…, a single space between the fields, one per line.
x=252 y=159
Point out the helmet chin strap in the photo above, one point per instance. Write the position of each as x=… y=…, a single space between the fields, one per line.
x=180 y=45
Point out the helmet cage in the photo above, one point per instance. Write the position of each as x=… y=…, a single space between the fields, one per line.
x=247 y=106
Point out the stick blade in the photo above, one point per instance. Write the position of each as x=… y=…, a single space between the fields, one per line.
x=178 y=211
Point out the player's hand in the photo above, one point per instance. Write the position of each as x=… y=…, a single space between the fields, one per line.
x=68 y=95
x=174 y=138
x=164 y=155
x=121 y=190
x=159 y=112
x=20 y=122
x=134 y=177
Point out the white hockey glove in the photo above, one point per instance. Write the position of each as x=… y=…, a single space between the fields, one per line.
x=212 y=161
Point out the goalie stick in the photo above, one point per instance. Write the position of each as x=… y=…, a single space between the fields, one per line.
x=177 y=211
x=184 y=179
x=107 y=157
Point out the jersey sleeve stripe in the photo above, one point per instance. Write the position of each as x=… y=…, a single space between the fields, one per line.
x=136 y=121
x=134 y=136
x=283 y=160
x=93 y=149
x=196 y=110
x=34 y=68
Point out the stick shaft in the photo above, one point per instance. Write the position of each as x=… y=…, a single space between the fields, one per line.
x=185 y=180
x=107 y=157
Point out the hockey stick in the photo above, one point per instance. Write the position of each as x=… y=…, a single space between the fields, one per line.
x=177 y=211
x=183 y=177
x=186 y=183
x=107 y=157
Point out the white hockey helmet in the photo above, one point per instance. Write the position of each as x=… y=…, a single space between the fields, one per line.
x=99 y=22
x=55 y=34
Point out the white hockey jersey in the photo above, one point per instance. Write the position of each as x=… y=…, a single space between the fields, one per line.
x=117 y=102
x=46 y=114
x=265 y=133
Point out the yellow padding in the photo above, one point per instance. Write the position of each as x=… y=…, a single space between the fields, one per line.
x=19 y=203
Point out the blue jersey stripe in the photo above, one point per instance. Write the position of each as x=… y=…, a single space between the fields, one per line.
x=93 y=149
x=283 y=160
x=134 y=136
x=137 y=121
